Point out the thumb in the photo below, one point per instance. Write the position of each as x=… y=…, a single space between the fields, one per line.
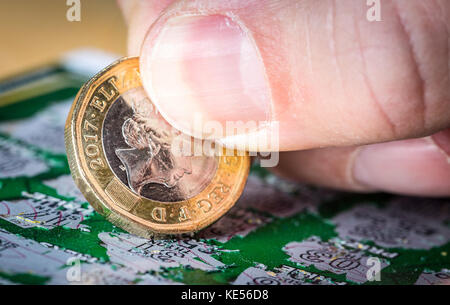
x=311 y=74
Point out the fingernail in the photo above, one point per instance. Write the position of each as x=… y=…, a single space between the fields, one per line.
x=205 y=67
x=442 y=140
x=416 y=167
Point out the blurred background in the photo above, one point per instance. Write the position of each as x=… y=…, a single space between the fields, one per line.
x=37 y=32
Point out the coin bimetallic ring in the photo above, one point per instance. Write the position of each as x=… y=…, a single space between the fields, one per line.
x=122 y=156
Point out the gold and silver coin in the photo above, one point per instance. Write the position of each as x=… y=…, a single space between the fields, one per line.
x=132 y=166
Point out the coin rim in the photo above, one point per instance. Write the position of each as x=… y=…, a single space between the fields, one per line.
x=100 y=203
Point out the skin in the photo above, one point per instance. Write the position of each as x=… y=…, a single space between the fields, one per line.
x=362 y=106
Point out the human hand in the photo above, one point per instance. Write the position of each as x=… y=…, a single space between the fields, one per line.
x=361 y=106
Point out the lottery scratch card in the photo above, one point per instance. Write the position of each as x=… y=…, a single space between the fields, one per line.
x=278 y=233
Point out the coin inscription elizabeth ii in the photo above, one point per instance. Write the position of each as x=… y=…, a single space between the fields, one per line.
x=132 y=166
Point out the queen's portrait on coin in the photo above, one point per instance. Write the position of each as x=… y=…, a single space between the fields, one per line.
x=150 y=159
x=155 y=168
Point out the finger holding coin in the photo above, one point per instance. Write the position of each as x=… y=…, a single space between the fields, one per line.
x=132 y=166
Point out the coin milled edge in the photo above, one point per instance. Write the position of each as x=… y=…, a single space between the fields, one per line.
x=217 y=193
